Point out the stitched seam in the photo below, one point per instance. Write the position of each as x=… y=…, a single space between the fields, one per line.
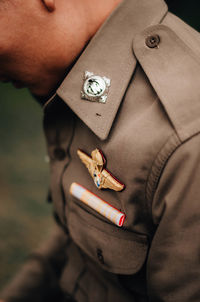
x=160 y=167
x=76 y=286
x=64 y=169
x=158 y=164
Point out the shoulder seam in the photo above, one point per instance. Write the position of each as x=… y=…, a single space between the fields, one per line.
x=159 y=163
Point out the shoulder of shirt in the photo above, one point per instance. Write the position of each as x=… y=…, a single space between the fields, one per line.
x=173 y=68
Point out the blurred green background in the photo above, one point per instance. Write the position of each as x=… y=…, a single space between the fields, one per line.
x=25 y=216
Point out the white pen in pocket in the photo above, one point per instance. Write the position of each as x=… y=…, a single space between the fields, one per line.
x=97 y=204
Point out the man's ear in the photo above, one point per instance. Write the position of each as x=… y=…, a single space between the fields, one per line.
x=49 y=4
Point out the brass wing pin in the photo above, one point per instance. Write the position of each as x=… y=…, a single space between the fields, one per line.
x=95 y=164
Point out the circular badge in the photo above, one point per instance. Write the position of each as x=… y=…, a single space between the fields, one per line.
x=94 y=86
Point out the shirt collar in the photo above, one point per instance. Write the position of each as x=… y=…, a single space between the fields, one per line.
x=110 y=54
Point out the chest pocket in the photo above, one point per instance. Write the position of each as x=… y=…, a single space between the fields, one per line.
x=115 y=249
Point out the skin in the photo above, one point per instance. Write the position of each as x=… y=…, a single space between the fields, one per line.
x=40 y=39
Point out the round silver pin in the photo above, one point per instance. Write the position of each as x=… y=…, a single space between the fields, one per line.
x=95 y=88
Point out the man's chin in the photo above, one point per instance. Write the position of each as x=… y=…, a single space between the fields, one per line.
x=18 y=85
x=43 y=93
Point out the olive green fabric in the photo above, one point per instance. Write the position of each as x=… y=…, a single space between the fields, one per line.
x=149 y=133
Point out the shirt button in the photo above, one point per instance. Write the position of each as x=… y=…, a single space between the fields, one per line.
x=59 y=153
x=153 y=41
x=100 y=256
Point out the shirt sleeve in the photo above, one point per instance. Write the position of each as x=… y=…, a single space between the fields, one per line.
x=173 y=267
x=38 y=278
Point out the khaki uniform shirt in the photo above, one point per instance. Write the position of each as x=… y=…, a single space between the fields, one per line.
x=148 y=130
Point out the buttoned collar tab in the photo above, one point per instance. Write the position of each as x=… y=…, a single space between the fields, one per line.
x=109 y=55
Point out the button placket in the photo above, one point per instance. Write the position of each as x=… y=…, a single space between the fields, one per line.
x=100 y=256
x=59 y=153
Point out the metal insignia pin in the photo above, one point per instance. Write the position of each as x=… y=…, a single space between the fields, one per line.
x=95 y=164
x=95 y=88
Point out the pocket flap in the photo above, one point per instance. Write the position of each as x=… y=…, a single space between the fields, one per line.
x=116 y=250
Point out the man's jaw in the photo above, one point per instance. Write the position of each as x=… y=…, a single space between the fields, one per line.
x=16 y=84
